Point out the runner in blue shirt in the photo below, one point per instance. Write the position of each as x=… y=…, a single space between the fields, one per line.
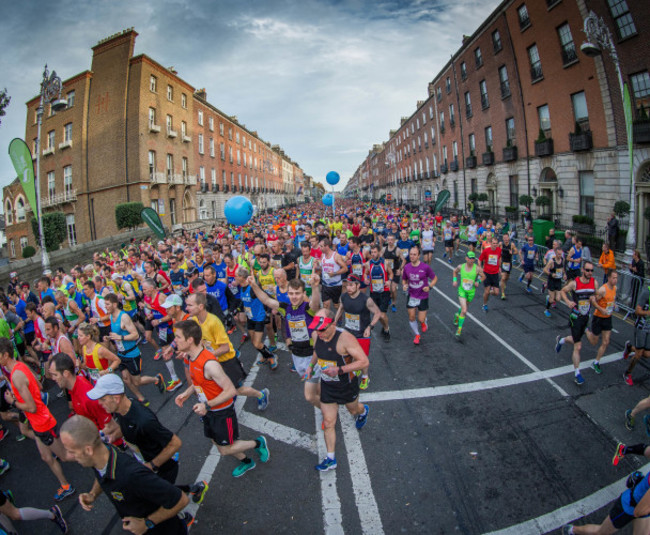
x=529 y=256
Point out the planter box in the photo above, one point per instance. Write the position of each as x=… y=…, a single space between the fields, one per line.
x=580 y=142
x=544 y=148
x=509 y=154
x=641 y=131
x=470 y=162
x=583 y=228
x=453 y=166
x=488 y=158
x=444 y=169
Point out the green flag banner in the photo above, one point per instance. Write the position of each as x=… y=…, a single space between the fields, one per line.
x=442 y=199
x=151 y=218
x=21 y=157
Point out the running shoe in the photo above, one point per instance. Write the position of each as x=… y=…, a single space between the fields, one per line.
x=293 y=369
x=544 y=286
x=45 y=398
x=567 y=529
x=627 y=377
x=629 y=420
x=4 y=466
x=558 y=345
x=424 y=327
x=618 y=454
x=198 y=491
x=10 y=496
x=58 y=519
x=263 y=402
x=627 y=350
x=273 y=348
x=188 y=519
x=145 y=402
x=579 y=379
x=449 y=260
x=326 y=464
x=143 y=341
x=485 y=308
x=63 y=493
x=456 y=318
x=393 y=308
x=553 y=304
x=263 y=449
x=232 y=329
x=243 y=339
x=362 y=418
x=458 y=333
x=3 y=433
x=273 y=363
x=242 y=468
x=521 y=278
x=416 y=340
x=158 y=355
x=160 y=383
x=595 y=365
x=365 y=381
x=547 y=313
x=444 y=255
x=646 y=421
x=503 y=297
x=174 y=385
x=387 y=336
x=528 y=290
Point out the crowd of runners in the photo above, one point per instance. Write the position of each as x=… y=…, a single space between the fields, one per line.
x=298 y=284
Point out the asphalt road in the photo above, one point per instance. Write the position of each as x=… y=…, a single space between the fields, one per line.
x=486 y=434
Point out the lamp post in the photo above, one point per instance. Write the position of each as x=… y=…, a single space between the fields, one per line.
x=50 y=94
x=598 y=38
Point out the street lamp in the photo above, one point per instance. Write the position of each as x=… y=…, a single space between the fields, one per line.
x=598 y=38
x=50 y=94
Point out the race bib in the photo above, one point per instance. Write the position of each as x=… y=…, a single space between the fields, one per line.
x=200 y=394
x=357 y=269
x=530 y=255
x=609 y=309
x=120 y=346
x=493 y=260
x=377 y=285
x=505 y=266
x=468 y=284
x=583 y=306
x=162 y=333
x=413 y=302
x=405 y=253
x=304 y=277
x=322 y=364
x=269 y=289
x=249 y=312
x=447 y=235
x=557 y=274
x=94 y=375
x=389 y=263
x=299 y=332
x=352 y=321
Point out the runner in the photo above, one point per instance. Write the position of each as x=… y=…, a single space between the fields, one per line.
x=417 y=280
x=95 y=360
x=470 y=275
x=508 y=250
x=554 y=270
x=393 y=262
x=472 y=235
x=307 y=264
x=428 y=243
x=490 y=261
x=641 y=346
x=529 y=254
x=601 y=322
x=380 y=279
x=333 y=267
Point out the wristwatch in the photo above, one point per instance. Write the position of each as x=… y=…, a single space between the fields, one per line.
x=149 y=523
x=207 y=407
x=154 y=468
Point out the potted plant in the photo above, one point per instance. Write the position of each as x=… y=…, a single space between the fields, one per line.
x=641 y=126
x=580 y=140
x=583 y=224
x=509 y=152
x=543 y=145
x=543 y=201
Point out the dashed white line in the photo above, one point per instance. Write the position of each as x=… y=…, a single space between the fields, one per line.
x=332 y=519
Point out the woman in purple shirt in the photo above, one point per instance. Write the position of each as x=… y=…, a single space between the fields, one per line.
x=417 y=280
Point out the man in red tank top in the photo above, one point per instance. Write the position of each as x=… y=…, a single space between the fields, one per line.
x=215 y=405
x=25 y=395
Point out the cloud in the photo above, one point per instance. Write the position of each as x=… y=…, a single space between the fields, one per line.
x=323 y=79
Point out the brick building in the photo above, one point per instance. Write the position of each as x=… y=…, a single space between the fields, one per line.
x=134 y=130
x=519 y=109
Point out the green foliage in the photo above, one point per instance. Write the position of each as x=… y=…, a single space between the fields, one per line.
x=127 y=215
x=28 y=252
x=482 y=197
x=473 y=197
x=526 y=200
x=582 y=219
x=593 y=242
x=541 y=137
x=511 y=209
x=543 y=200
x=54 y=231
x=621 y=208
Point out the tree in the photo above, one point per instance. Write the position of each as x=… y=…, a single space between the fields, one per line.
x=543 y=200
x=621 y=208
x=127 y=215
x=526 y=200
x=482 y=197
x=54 y=231
x=28 y=251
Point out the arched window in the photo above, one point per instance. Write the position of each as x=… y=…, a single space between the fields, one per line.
x=20 y=209
x=9 y=212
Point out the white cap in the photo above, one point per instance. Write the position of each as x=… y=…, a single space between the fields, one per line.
x=172 y=300
x=116 y=276
x=109 y=384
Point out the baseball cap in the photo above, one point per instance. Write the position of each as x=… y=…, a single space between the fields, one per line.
x=320 y=323
x=116 y=276
x=109 y=384
x=70 y=286
x=13 y=275
x=471 y=254
x=353 y=278
x=172 y=300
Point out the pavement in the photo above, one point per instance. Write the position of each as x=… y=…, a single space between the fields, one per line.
x=488 y=434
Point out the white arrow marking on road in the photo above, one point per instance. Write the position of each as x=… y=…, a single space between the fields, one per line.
x=277 y=431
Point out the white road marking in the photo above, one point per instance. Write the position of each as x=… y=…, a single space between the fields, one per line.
x=556 y=519
x=446 y=390
x=277 y=431
x=363 y=495
x=332 y=519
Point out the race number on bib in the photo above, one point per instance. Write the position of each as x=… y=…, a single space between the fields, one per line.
x=377 y=285
x=413 y=302
x=299 y=332
x=468 y=284
x=506 y=266
x=352 y=321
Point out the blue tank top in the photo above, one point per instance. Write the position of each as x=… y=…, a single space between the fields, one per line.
x=218 y=289
x=252 y=305
x=577 y=254
x=282 y=297
x=127 y=348
x=220 y=269
x=631 y=497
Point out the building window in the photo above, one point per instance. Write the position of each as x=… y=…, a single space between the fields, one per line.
x=153 y=83
x=67 y=133
x=622 y=17
x=71 y=229
x=154 y=205
x=567 y=46
x=152 y=117
x=524 y=19
x=23 y=243
x=452 y=116
x=183 y=129
x=202 y=174
x=211 y=124
x=439 y=94
x=454 y=149
x=478 y=57
x=170 y=93
x=442 y=122
x=9 y=216
x=448 y=85
x=535 y=64
x=504 y=81
x=514 y=190
x=70 y=99
x=51 y=185
x=496 y=41
x=184 y=100
x=222 y=150
x=51 y=137
x=200 y=143
x=488 y=138
x=170 y=124
x=580 y=112
x=212 y=147
x=587 y=193
x=184 y=167
x=20 y=210
x=238 y=157
x=463 y=71
x=230 y=133
x=237 y=137
x=433 y=135
x=444 y=154
x=200 y=117
x=485 y=103
x=510 y=131
x=641 y=90
x=12 y=246
x=172 y=210
x=472 y=144
x=67 y=182
x=213 y=176
x=544 y=118
x=230 y=154
x=170 y=165
x=152 y=163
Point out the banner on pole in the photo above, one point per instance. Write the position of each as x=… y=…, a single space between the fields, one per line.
x=21 y=157
x=152 y=219
x=427 y=195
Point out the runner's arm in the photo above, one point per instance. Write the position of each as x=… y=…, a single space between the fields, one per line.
x=344 y=267
x=113 y=360
x=214 y=372
x=348 y=344
x=127 y=324
x=376 y=313
x=314 y=302
x=570 y=286
x=594 y=300
x=265 y=298
x=22 y=385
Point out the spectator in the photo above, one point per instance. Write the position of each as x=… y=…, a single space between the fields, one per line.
x=637 y=267
x=607 y=261
x=550 y=239
x=612 y=230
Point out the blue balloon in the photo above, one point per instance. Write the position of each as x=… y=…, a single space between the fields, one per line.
x=328 y=199
x=332 y=178
x=238 y=210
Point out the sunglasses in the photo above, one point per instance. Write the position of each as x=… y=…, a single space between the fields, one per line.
x=587 y=270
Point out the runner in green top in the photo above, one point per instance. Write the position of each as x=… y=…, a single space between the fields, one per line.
x=306 y=264
x=470 y=273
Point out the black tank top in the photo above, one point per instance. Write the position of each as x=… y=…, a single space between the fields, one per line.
x=506 y=253
x=356 y=313
x=329 y=357
x=392 y=260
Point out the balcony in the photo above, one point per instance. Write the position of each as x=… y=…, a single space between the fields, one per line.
x=569 y=55
x=536 y=73
x=442 y=128
x=234 y=189
x=187 y=139
x=158 y=177
x=488 y=158
x=204 y=187
x=426 y=144
x=453 y=166
x=65 y=144
x=641 y=131
x=154 y=128
x=452 y=121
x=509 y=154
x=48 y=151
x=580 y=142
x=505 y=89
x=485 y=103
x=544 y=148
x=470 y=162
x=226 y=188
x=60 y=198
x=172 y=133
x=468 y=110
x=215 y=188
x=190 y=180
x=176 y=178
x=444 y=169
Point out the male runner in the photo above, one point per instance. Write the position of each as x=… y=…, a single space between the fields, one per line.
x=554 y=270
x=470 y=275
x=380 y=279
x=490 y=261
x=417 y=280
x=641 y=346
x=508 y=250
x=393 y=262
x=529 y=254
x=333 y=267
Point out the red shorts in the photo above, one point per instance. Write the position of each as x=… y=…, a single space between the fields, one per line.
x=365 y=345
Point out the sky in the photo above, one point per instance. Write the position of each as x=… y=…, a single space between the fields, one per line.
x=324 y=79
